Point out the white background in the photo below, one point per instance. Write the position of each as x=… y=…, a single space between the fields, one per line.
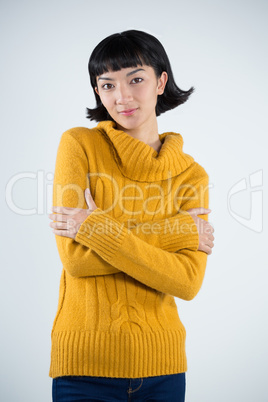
x=219 y=47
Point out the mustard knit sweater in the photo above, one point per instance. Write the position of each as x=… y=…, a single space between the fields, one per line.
x=116 y=314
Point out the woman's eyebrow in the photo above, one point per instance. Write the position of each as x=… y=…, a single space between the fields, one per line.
x=105 y=78
x=128 y=74
x=135 y=71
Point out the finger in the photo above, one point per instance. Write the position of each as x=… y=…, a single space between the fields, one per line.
x=88 y=193
x=88 y=197
x=66 y=210
x=211 y=237
x=59 y=217
x=61 y=225
x=64 y=233
x=208 y=229
x=200 y=211
x=207 y=249
x=59 y=209
x=55 y=217
x=210 y=243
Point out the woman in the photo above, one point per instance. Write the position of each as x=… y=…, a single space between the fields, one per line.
x=125 y=209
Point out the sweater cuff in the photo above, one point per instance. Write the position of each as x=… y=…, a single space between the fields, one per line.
x=180 y=232
x=102 y=233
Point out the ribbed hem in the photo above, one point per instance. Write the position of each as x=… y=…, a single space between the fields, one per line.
x=102 y=233
x=179 y=232
x=121 y=355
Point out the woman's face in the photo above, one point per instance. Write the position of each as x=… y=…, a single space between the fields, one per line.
x=130 y=95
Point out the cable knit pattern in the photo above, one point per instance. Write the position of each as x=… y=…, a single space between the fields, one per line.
x=117 y=315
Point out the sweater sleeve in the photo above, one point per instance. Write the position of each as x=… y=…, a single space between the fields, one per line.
x=179 y=274
x=170 y=234
x=70 y=181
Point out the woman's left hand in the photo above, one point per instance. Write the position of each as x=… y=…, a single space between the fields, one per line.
x=67 y=226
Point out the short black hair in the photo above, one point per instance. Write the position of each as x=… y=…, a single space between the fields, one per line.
x=133 y=48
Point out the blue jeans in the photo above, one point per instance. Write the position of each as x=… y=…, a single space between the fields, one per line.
x=164 y=388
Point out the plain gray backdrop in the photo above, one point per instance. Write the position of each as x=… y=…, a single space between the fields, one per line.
x=219 y=47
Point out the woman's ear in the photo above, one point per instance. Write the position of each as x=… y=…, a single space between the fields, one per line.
x=162 y=80
x=96 y=89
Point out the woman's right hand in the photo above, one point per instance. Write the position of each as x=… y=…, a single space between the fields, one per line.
x=204 y=228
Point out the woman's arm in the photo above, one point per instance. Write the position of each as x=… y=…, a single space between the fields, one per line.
x=80 y=261
x=70 y=181
x=179 y=274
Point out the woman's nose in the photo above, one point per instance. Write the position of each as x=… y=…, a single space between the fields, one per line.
x=123 y=95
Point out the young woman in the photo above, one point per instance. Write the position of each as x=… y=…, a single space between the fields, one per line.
x=126 y=201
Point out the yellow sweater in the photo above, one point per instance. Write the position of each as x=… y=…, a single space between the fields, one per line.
x=116 y=314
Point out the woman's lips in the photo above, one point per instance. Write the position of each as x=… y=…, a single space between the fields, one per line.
x=128 y=112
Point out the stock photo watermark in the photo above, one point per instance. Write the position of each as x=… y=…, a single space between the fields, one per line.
x=252 y=187
x=162 y=196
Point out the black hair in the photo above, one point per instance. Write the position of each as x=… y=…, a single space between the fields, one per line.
x=131 y=49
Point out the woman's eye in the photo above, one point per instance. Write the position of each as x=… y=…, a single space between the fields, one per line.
x=137 y=80
x=107 y=86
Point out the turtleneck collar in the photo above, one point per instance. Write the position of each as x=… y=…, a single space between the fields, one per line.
x=139 y=161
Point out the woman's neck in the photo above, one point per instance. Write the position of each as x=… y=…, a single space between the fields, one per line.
x=148 y=133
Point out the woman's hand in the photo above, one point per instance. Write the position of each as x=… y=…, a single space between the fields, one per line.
x=204 y=228
x=68 y=220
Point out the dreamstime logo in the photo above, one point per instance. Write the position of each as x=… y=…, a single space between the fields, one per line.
x=254 y=191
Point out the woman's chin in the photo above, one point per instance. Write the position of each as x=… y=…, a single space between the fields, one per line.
x=127 y=124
